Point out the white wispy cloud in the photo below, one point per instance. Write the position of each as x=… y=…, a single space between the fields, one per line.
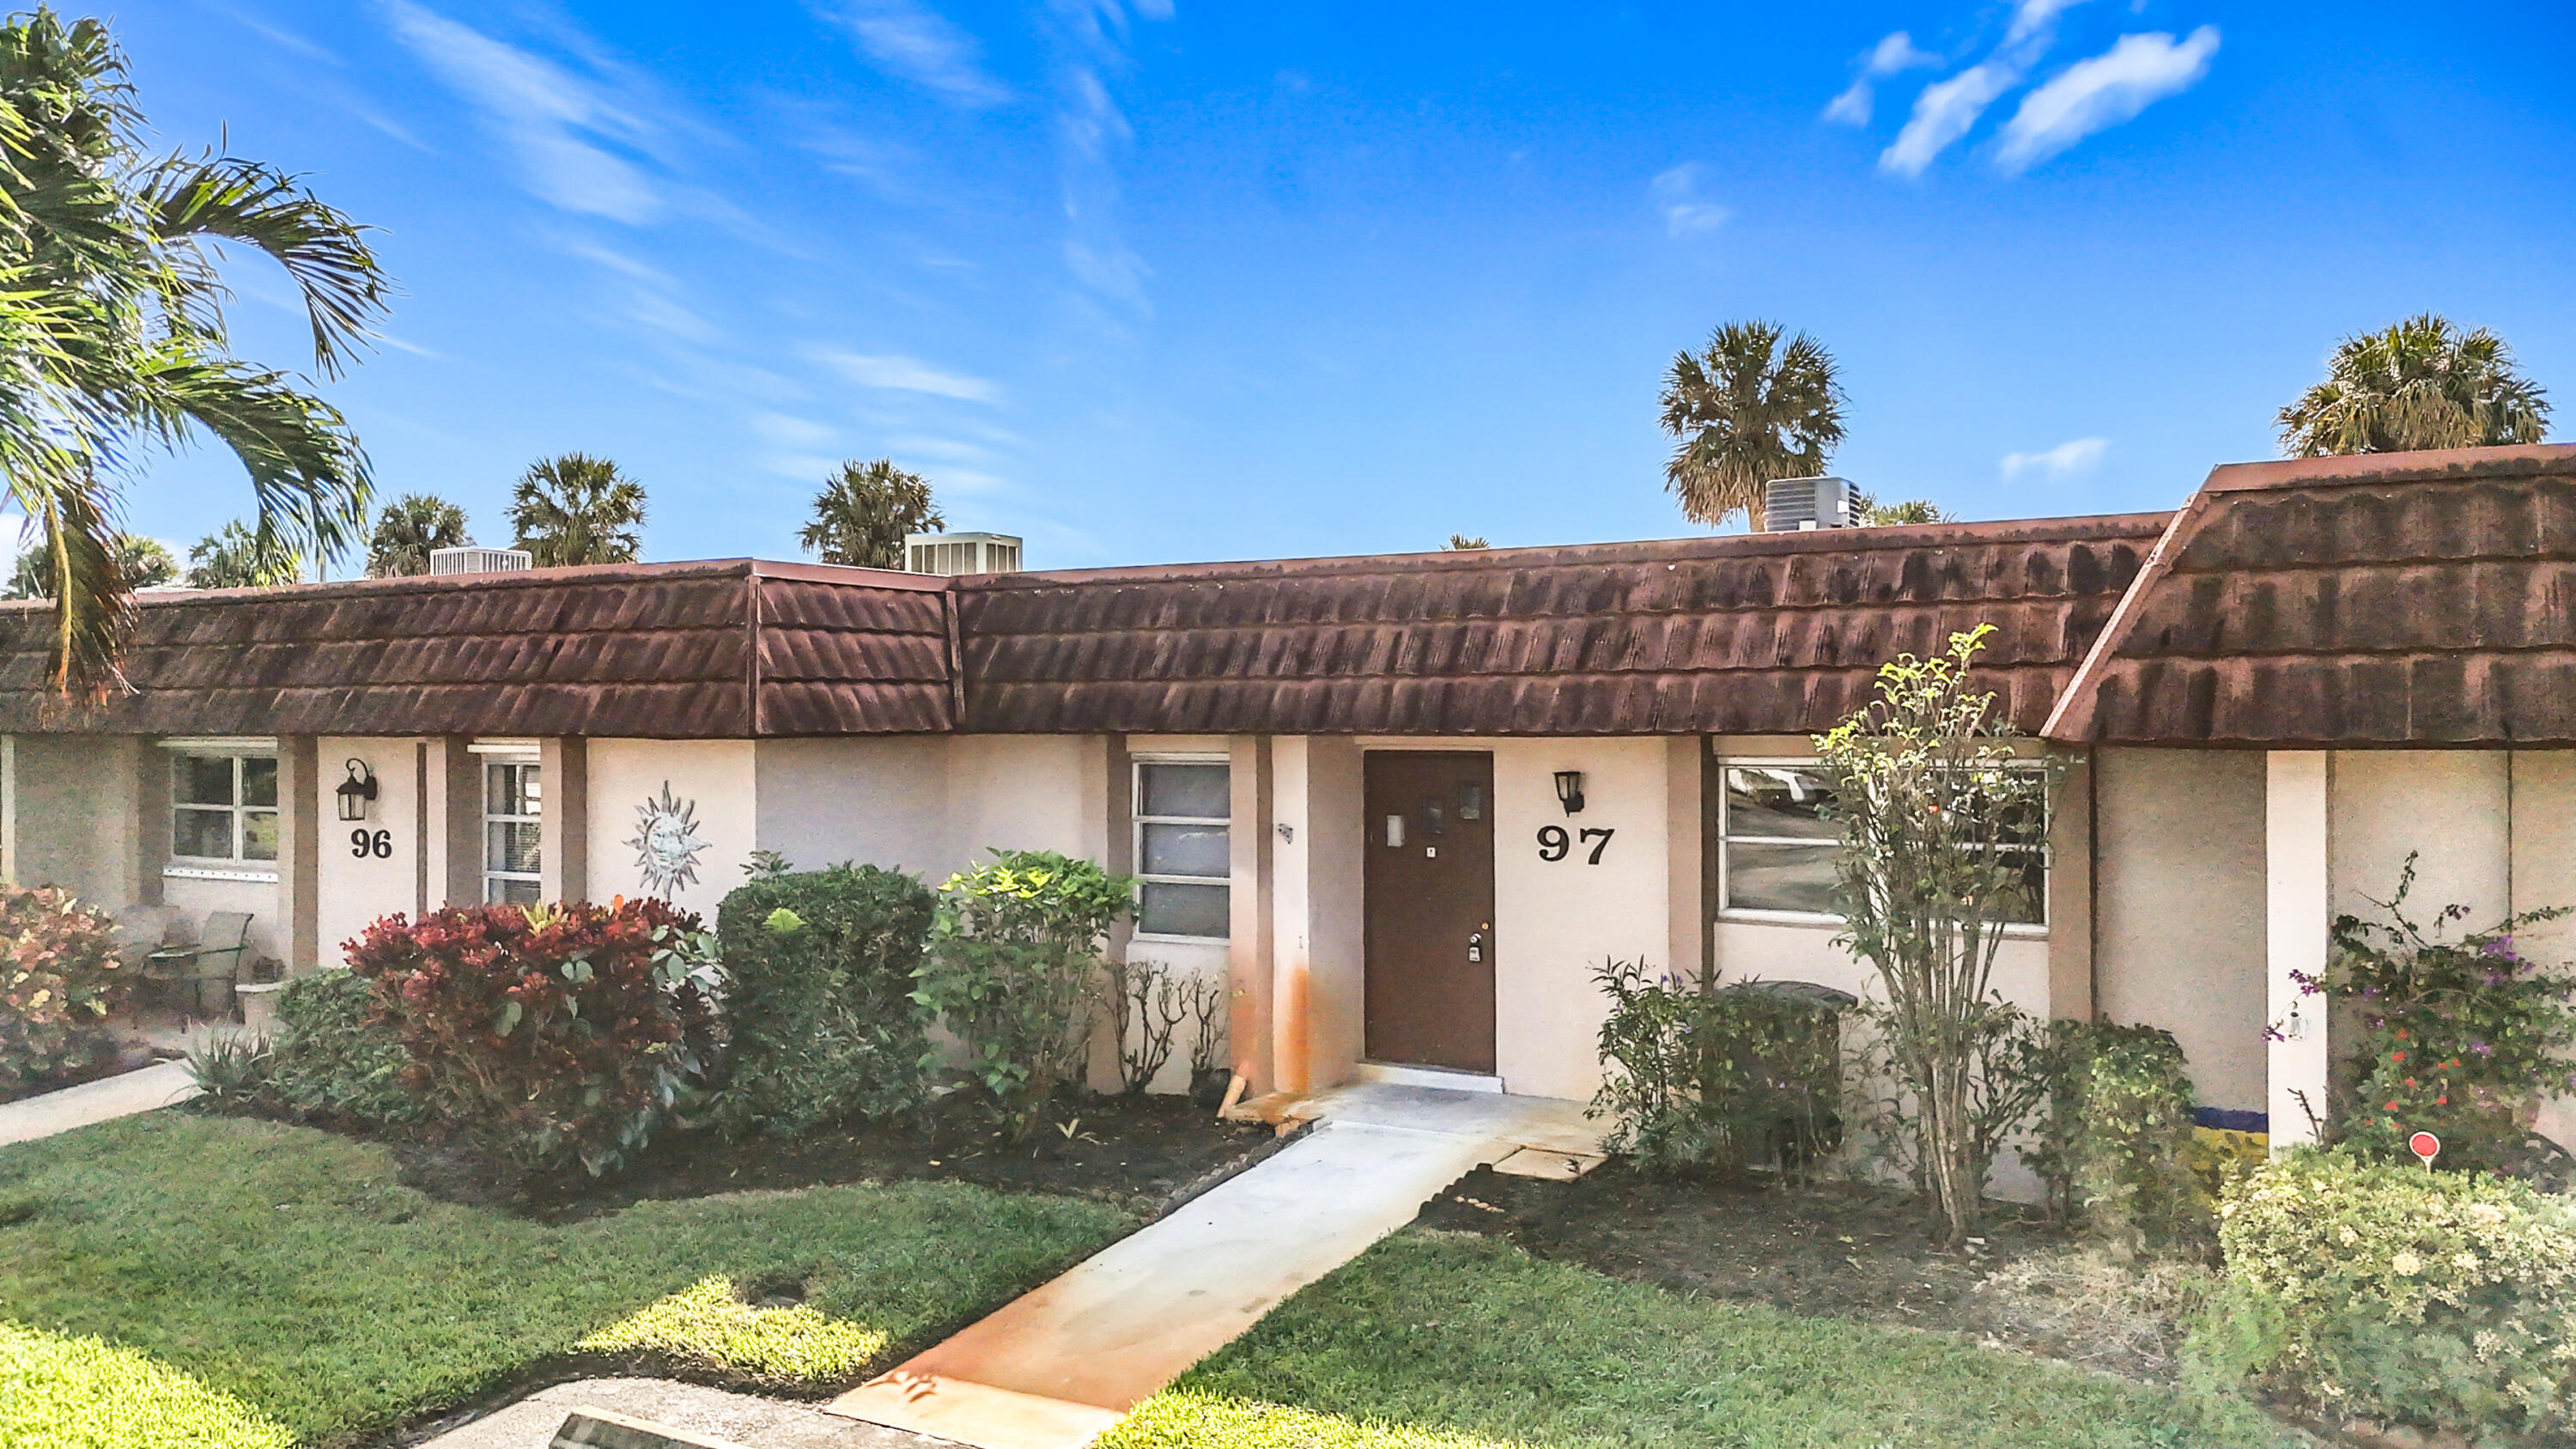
x=2099 y=93
x=1678 y=201
x=1946 y=111
x=1894 y=54
x=2066 y=460
x=1092 y=36
x=920 y=45
x=2031 y=17
x=895 y=371
x=561 y=126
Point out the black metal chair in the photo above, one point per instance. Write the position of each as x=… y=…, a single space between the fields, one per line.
x=210 y=966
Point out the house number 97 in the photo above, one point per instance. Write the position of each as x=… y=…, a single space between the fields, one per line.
x=1555 y=844
x=376 y=844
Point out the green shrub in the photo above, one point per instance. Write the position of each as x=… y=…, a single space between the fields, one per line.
x=1748 y=1075
x=59 y=978
x=1014 y=967
x=556 y=1034
x=333 y=1055
x=818 y=997
x=2464 y=1038
x=2112 y=1141
x=2440 y=1299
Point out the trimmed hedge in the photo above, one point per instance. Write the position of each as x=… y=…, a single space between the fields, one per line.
x=332 y=1054
x=2441 y=1299
x=818 y=1001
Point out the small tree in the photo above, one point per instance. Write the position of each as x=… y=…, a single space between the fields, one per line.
x=1874 y=514
x=1459 y=542
x=577 y=509
x=1014 y=966
x=862 y=515
x=234 y=557
x=1931 y=797
x=406 y=532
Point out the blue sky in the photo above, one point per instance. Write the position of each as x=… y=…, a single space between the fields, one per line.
x=1172 y=279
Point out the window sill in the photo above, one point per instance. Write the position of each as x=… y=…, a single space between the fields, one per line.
x=1802 y=921
x=253 y=875
x=1158 y=937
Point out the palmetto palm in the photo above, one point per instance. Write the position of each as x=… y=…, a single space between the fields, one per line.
x=1748 y=410
x=577 y=509
x=112 y=330
x=142 y=562
x=409 y=528
x=862 y=515
x=2416 y=384
x=234 y=557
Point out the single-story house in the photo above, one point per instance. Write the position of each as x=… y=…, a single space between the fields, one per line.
x=1407 y=804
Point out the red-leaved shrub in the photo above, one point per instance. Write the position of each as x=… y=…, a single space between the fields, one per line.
x=59 y=978
x=556 y=1034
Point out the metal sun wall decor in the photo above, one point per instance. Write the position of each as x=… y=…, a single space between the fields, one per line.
x=667 y=843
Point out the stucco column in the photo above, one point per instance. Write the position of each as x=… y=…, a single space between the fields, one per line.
x=452 y=786
x=2071 y=992
x=299 y=852
x=2298 y=908
x=1688 y=924
x=9 y=809
x=563 y=860
x=1250 y=944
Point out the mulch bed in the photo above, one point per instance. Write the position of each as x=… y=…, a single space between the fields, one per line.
x=1140 y=1154
x=1826 y=1250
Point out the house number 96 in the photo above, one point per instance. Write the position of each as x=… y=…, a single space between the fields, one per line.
x=376 y=843
x=1555 y=844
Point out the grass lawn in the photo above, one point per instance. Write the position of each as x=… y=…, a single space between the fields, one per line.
x=1447 y=1341
x=277 y=1284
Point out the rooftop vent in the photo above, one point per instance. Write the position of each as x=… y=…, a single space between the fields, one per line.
x=961 y=553
x=1792 y=504
x=479 y=560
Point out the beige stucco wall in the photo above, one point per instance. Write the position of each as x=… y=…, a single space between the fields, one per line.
x=1317 y=983
x=69 y=828
x=718 y=776
x=2179 y=908
x=354 y=890
x=1556 y=922
x=2449 y=806
x=880 y=800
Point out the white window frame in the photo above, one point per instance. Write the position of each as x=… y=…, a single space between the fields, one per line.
x=1727 y=840
x=1136 y=838
x=236 y=865
x=493 y=758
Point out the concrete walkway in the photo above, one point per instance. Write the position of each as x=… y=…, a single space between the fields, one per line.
x=1056 y=1367
x=104 y=1100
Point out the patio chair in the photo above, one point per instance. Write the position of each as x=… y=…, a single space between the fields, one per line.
x=210 y=965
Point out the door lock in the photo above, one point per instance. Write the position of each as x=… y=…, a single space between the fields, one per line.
x=1476 y=947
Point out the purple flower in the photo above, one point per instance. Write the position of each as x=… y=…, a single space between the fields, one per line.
x=2482 y=1049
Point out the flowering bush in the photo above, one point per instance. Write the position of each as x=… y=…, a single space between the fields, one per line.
x=59 y=978
x=558 y=1034
x=1727 y=1078
x=2463 y=1038
x=2440 y=1299
x=1014 y=967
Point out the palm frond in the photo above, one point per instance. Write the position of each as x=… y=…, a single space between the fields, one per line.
x=306 y=469
x=231 y=199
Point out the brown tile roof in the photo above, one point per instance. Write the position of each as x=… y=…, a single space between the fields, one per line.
x=644 y=650
x=1775 y=633
x=2402 y=598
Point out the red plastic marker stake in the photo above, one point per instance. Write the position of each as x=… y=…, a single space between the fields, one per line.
x=2425 y=1146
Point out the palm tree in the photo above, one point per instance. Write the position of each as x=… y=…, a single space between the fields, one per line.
x=1748 y=410
x=1459 y=541
x=577 y=509
x=234 y=557
x=142 y=563
x=2416 y=384
x=862 y=515
x=1874 y=514
x=113 y=335
x=408 y=529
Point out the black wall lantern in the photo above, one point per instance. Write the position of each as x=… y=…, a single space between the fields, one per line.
x=356 y=791
x=1569 y=791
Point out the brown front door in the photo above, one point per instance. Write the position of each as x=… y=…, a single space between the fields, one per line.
x=1430 y=882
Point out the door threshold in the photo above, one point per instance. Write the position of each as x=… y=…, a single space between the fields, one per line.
x=1445 y=1079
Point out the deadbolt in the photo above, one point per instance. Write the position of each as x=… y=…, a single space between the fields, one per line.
x=1476 y=947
